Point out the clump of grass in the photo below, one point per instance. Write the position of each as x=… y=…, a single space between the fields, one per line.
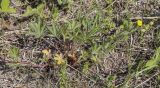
x=14 y=53
x=37 y=29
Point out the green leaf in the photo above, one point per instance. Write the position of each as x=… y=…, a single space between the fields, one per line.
x=55 y=14
x=14 y=53
x=38 y=11
x=10 y=10
x=28 y=12
x=155 y=59
x=40 y=8
x=5 y=4
x=59 y=2
x=151 y=63
x=5 y=7
x=37 y=29
x=86 y=67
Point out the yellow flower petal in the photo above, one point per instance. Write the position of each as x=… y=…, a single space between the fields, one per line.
x=46 y=52
x=139 y=23
x=59 y=59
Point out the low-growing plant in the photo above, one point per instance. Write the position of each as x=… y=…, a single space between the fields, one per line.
x=35 y=11
x=14 y=53
x=37 y=29
x=64 y=2
x=63 y=83
x=54 y=30
x=55 y=14
x=85 y=68
x=110 y=81
x=86 y=32
x=73 y=29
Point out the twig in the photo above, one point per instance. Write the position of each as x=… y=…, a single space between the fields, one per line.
x=111 y=4
x=81 y=73
x=26 y=63
x=14 y=32
x=147 y=80
x=135 y=18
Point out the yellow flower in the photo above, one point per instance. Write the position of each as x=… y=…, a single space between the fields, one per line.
x=59 y=59
x=139 y=23
x=46 y=52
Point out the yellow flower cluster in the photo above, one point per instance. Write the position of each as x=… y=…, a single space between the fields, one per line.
x=57 y=57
